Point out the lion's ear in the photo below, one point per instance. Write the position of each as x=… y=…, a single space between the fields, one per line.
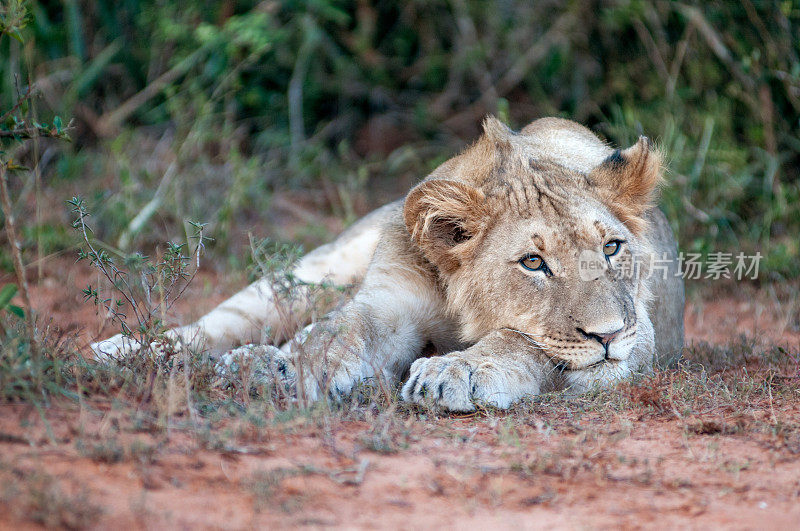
x=444 y=217
x=628 y=181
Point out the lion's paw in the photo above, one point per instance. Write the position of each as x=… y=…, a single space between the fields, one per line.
x=440 y=381
x=120 y=347
x=456 y=384
x=115 y=348
x=264 y=364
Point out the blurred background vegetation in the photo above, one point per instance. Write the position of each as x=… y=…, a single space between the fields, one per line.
x=288 y=119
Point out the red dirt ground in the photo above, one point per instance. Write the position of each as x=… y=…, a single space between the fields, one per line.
x=599 y=469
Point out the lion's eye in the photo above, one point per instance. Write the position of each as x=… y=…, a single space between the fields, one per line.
x=612 y=247
x=532 y=262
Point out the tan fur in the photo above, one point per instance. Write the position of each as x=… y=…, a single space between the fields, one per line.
x=628 y=184
x=446 y=272
x=439 y=213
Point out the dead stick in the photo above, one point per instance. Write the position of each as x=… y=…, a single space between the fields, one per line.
x=19 y=266
x=108 y=123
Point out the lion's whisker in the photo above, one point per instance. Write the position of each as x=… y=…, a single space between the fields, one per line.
x=529 y=338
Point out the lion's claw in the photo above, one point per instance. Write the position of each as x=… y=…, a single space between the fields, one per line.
x=455 y=383
x=441 y=381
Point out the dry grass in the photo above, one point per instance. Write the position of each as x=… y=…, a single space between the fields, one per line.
x=35 y=496
x=717 y=393
x=147 y=412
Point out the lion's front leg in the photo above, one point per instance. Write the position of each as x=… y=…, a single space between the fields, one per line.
x=378 y=334
x=373 y=340
x=355 y=345
x=499 y=370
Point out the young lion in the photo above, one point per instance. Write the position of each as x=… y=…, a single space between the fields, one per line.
x=524 y=262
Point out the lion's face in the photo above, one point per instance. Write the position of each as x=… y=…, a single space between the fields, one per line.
x=527 y=244
x=566 y=283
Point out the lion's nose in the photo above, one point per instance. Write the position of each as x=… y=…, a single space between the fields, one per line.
x=603 y=337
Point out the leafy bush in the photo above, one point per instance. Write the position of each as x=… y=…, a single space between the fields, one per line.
x=254 y=97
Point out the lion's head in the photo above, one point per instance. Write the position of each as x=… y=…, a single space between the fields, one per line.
x=538 y=232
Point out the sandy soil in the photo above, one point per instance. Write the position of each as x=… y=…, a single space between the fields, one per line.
x=597 y=469
x=453 y=473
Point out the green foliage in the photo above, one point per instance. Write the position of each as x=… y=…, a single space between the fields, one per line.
x=14 y=125
x=141 y=288
x=7 y=293
x=354 y=98
x=26 y=376
x=13 y=18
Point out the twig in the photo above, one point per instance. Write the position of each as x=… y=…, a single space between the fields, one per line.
x=702 y=150
x=652 y=48
x=188 y=387
x=109 y=122
x=516 y=73
x=714 y=42
x=767 y=116
x=37 y=183
x=27 y=133
x=468 y=34
x=152 y=206
x=771 y=406
x=19 y=266
x=295 y=90
x=149 y=209
x=535 y=53
x=764 y=33
x=20 y=100
x=761 y=105
x=677 y=59
x=114 y=275
x=197 y=251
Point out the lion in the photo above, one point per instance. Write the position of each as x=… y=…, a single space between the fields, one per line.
x=533 y=261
